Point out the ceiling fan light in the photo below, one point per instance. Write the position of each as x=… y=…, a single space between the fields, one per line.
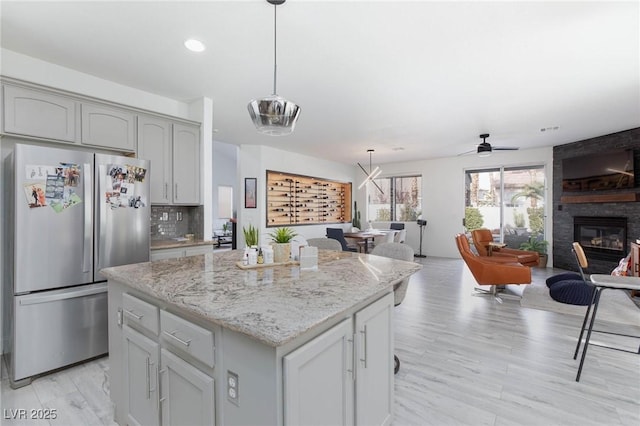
x=484 y=153
x=274 y=115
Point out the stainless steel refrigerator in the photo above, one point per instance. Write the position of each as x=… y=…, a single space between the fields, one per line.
x=70 y=214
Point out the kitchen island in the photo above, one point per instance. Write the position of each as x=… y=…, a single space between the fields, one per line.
x=199 y=340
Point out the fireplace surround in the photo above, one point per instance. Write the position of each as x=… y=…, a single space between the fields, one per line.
x=603 y=238
x=612 y=203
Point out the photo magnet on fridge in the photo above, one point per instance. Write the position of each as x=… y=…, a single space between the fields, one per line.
x=38 y=172
x=35 y=193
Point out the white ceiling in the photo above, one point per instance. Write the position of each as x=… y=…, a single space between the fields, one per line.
x=424 y=76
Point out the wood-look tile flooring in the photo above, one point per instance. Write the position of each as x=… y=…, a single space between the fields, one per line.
x=465 y=361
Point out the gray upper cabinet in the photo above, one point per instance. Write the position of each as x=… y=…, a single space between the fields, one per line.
x=154 y=144
x=186 y=164
x=35 y=113
x=108 y=127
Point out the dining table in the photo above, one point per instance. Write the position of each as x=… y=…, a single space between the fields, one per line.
x=368 y=235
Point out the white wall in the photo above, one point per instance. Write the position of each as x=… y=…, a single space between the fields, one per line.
x=255 y=160
x=225 y=173
x=443 y=194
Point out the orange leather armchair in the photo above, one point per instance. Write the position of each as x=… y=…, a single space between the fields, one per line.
x=492 y=271
x=482 y=238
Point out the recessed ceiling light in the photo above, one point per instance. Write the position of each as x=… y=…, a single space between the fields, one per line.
x=549 y=129
x=397 y=148
x=194 y=45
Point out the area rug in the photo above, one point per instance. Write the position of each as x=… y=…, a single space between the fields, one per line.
x=615 y=305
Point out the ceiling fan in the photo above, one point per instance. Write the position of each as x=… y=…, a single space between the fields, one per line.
x=484 y=148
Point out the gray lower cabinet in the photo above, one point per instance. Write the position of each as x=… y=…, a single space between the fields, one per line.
x=374 y=364
x=40 y=114
x=187 y=393
x=108 y=127
x=319 y=377
x=140 y=368
x=183 y=372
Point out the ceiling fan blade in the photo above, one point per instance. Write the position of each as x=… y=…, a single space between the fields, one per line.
x=505 y=148
x=467 y=152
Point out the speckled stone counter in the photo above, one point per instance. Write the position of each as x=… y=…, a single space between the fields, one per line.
x=272 y=304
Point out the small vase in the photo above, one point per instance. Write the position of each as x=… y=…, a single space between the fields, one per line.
x=281 y=252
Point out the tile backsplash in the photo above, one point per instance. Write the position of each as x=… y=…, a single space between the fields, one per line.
x=175 y=221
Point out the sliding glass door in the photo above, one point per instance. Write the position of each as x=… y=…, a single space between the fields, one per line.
x=507 y=200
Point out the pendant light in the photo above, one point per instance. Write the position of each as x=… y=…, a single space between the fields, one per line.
x=371 y=174
x=274 y=115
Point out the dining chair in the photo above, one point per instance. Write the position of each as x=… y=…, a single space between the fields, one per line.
x=338 y=234
x=396 y=226
x=388 y=237
x=400 y=236
x=400 y=252
x=325 y=243
x=598 y=284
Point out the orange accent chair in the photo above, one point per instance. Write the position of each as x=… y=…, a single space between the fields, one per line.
x=492 y=271
x=482 y=238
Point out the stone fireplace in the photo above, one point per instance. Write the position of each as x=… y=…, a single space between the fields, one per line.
x=602 y=238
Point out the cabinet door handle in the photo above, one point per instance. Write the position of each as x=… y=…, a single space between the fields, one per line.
x=131 y=314
x=364 y=346
x=166 y=190
x=172 y=335
x=148 y=362
x=352 y=361
x=176 y=190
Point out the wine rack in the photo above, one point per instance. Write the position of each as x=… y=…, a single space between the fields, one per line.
x=306 y=200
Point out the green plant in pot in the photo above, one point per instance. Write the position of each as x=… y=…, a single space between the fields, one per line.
x=281 y=238
x=538 y=245
x=250 y=236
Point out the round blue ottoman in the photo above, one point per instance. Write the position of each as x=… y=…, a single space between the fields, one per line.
x=572 y=292
x=563 y=277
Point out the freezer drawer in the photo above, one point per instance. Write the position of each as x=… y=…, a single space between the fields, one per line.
x=56 y=328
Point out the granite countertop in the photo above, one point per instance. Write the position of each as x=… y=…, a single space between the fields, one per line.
x=271 y=304
x=172 y=243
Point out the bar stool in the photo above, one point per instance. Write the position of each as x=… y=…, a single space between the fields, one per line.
x=601 y=283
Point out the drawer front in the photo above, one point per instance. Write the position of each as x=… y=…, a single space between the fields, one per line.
x=188 y=337
x=140 y=314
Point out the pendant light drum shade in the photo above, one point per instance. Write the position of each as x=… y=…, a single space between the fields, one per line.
x=273 y=115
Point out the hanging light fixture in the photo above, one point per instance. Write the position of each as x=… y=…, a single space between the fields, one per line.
x=274 y=115
x=371 y=174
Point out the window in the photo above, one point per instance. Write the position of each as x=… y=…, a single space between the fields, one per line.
x=507 y=200
x=401 y=199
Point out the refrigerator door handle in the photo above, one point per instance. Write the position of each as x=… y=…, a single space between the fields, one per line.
x=88 y=219
x=102 y=217
x=34 y=300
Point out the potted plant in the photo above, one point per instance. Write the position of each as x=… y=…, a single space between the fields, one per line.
x=538 y=245
x=250 y=236
x=281 y=238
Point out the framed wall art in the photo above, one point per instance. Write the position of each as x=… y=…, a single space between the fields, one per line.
x=250 y=195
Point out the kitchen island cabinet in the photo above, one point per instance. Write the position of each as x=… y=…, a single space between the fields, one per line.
x=257 y=346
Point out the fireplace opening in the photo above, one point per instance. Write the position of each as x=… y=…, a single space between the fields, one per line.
x=603 y=238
